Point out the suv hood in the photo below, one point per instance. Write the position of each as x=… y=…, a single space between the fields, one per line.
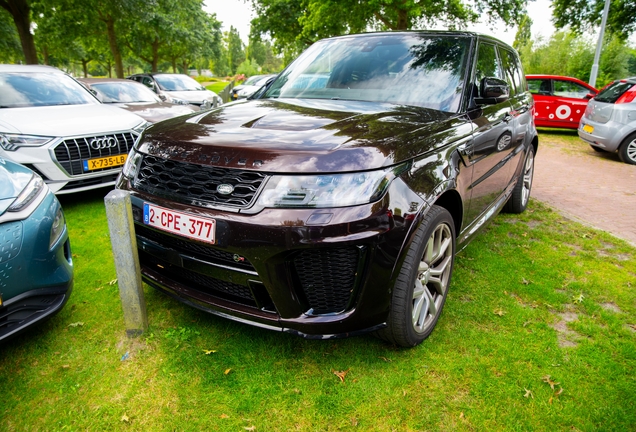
x=67 y=120
x=302 y=135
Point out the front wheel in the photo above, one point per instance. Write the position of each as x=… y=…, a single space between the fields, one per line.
x=420 y=291
x=627 y=150
x=518 y=201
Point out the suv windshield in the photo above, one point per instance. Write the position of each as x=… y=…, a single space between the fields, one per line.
x=421 y=70
x=612 y=92
x=19 y=90
x=122 y=92
x=177 y=83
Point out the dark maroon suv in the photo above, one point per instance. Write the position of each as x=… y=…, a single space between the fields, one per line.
x=332 y=202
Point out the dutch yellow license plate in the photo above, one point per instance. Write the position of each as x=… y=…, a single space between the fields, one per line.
x=105 y=162
x=587 y=128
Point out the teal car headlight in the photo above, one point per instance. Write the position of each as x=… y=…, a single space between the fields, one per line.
x=331 y=190
x=12 y=142
x=28 y=194
x=57 y=228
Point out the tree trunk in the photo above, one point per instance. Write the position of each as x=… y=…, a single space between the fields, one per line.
x=403 y=20
x=185 y=66
x=85 y=67
x=174 y=65
x=45 y=55
x=114 y=48
x=21 y=13
x=155 y=55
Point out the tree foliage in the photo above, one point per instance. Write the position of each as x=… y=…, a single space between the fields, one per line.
x=566 y=53
x=581 y=15
x=295 y=24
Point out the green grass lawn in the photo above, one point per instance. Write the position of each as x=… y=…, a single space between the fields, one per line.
x=538 y=334
x=217 y=86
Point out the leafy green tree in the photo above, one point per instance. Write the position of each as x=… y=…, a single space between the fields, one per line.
x=10 y=48
x=566 y=53
x=20 y=11
x=581 y=15
x=524 y=34
x=235 y=50
x=295 y=24
x=249 y=68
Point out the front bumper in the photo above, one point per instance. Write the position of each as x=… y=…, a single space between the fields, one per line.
x=35 y=280
x=61 y=162
x=318 y=273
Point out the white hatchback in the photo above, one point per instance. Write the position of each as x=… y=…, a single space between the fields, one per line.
x=53 y=125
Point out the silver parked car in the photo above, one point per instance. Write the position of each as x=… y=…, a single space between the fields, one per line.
x=609 y=122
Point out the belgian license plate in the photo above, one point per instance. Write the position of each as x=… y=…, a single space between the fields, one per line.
x=179 y=223
x=105 y=162
x=587 y=128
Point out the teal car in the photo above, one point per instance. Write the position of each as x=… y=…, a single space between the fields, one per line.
x=36 y=267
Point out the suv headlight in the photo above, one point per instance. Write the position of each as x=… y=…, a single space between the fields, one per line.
x=327 y=190
x=12 y=142
x=142 y=126
x=28 y=194
x=132 y=164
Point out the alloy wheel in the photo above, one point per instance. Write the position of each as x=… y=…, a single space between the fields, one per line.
x=433 y=278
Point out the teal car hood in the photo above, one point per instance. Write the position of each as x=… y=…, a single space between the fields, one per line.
x=13 y=179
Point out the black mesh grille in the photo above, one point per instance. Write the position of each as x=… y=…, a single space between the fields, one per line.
x=327 y=277
x=71 y=152
x=186 y=182
x=190 y=247
x=202 y=283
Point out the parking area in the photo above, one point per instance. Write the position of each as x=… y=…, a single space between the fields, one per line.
x=594 y=188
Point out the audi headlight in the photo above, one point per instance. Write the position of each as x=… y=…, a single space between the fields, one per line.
x=57 y=228
x=12 y=142
x=132 y=164
x=28 y=194
x=329 y=190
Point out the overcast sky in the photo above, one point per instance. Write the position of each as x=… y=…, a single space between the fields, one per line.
x=238 y=13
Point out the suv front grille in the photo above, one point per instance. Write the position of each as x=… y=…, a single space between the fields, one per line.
x=192 y=184
x=327 y=277
x=71 y=152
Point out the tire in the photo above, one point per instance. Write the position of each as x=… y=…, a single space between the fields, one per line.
x=422 y=284
x=627 y=150
x=598 y=149
x=518 y=201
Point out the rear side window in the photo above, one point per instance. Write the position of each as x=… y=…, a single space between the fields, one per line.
x=540 y=86
x=612 y=92
x=569 y=89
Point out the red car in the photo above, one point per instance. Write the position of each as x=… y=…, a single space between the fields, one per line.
x=559 y=101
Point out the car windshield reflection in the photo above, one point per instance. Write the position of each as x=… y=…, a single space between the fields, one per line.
x=420 y=70
x=20 y=90
x=177 y=83
x=122 y=92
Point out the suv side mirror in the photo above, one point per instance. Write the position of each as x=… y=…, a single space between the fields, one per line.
x=492 y=91
x=589 y=96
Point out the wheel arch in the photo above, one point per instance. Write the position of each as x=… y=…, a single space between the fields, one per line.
x=452 y=202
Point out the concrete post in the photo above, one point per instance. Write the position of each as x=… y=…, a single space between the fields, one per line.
x=124 y=244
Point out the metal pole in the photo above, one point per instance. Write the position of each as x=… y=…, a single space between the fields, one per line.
x=124 y=244
x=599 y=45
